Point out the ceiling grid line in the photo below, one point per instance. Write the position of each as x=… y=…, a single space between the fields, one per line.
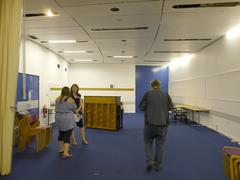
x=156 y=35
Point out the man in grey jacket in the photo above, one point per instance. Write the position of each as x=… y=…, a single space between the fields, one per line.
x=156 y=104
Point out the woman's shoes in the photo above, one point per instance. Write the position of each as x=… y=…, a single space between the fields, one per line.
x=85 y=142
x=74 y=144
x=67 y=156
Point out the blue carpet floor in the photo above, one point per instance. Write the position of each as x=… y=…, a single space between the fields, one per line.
x=191 y=153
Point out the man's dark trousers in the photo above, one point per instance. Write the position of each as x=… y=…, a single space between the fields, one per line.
x=158 y=133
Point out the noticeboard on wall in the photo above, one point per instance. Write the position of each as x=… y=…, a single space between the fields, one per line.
x=28 y=101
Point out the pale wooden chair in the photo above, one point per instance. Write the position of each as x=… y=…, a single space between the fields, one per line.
x=230 y=155
x=28 y=132
x=236 y=166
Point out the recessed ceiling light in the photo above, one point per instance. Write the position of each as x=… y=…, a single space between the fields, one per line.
x=234 y=32
x=62 y=41
x=115 y=9
x=49 y=13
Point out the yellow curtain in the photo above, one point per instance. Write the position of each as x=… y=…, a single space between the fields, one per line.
x=10 y=30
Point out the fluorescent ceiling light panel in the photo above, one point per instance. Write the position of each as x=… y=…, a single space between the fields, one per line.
x=62 y=41
x=74 y=51
x=123 y=56
x=234 y=32
x=82 y=60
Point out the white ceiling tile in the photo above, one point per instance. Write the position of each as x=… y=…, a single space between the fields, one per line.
x=41 y=4
x=124 y=46
x=124 y=35
x=176 y=24
x=162 y=57
x=203 y=23
x=115 y=52
x=65 y=3
x=119 y=61
x=191 y=46
x=49 y=23
x=150 y=21
x=62 y=30
x=84 y=46
x=78 y=37
x=82 y=56
x=150 y=7
x=106 y=41
x=152 y=63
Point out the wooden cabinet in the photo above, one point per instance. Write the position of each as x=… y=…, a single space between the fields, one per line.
x=102 y=112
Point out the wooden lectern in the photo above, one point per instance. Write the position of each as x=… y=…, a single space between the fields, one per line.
x=103 y=112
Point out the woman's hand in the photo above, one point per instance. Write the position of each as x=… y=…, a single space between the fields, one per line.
x=75 y=111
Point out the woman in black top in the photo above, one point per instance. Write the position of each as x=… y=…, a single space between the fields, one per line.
x=79 y=112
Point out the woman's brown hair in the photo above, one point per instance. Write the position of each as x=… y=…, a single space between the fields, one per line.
x=65 y=92
x=72 y=88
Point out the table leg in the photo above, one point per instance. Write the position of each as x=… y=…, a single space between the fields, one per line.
x=192 y=115
x=198 y=117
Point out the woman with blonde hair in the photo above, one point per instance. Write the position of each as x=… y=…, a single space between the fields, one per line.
x=65 y=120
x=76 y=96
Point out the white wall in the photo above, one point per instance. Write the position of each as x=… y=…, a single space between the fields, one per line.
x=42 y=62
x=101 y=76
x=212 y=80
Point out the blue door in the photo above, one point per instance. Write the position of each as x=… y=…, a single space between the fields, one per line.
x=144 y=75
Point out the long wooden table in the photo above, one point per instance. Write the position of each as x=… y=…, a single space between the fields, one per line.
x=193 y=109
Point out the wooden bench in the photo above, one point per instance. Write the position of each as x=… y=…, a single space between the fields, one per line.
x=231 y=159
x=28 y=132
x=193 y=109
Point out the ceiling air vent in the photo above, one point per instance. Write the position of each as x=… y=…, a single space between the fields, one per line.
x=34 y=15
x=171 y=51
x=190 y=39
x=32 y=37
x=207 y=5
x=119 y=29
x=82 y=41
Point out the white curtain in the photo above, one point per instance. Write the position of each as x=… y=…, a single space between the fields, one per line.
x=10 y=30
